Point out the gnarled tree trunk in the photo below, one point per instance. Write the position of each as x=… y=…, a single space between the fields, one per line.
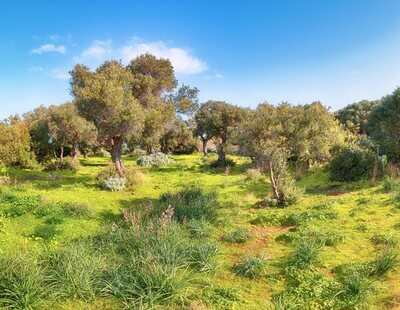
x=75 y=152
x=274 y=186
x=116 y=154
x=204 y=146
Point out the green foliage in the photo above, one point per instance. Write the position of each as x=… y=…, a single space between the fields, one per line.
x=381 y=239
x=15 y=144
x=154 y=160
x=76 y=272
x=23 y=283
x=355 y=116
x=67 y=164
x=199 y=228
x=202 y=256
x=17 y=206
x=390 y=184
x=240 y=235
x=76 y=210
x=190 y=203
x=305 y=254
x=45 y=232
x=383 y=125
x=252 y=267
x=352 y=165
x=384 y=262
x=222 y=297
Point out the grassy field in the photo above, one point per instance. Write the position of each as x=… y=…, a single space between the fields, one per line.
x=339 y=238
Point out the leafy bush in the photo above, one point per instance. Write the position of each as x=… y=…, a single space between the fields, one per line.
x=251 y=267
x=222 y=163
x=352 y=165
x=254 y=175
x=240 y=235
x=23 y=283
x=291 y=193
x=154 y=160
x=67 y=164
x=114 y=184
x=190 y=203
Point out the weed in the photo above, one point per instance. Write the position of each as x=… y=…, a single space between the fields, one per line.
x=240 y=235
x=252 y=267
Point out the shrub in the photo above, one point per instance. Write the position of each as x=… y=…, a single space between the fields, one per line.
x=67 y=164
x=154 y=160
x=240 y=235
x=55 y=219
x=199 y=228
x=254 y=175
x=390 y=184
x=114 y=184
x=251 y=267
x=45 y=232
x=222 y=163
x=133 y=177
x=190 y=203
x=352 y=165
x=291 y=193
x=79 y=210
x=23 y=283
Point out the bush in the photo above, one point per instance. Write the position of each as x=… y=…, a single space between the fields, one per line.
x=251 y=267
x=254 y=175
x=223 y=163
x=108 y=177
x=154 y=160
x=67 y=164
x=190 y=203
x=352 y=165
x=240 y=235
x=114 y=184
x=291 y=193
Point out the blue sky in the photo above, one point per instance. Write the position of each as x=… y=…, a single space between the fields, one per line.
x=244 y=52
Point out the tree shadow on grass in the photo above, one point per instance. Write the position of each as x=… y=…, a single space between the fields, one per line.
x=109 y=216
x=137 y=203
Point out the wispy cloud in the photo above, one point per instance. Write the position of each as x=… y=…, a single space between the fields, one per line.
x=49 y=48
x=98 y=49
x=182 y=59
x=36 y=69
x=59 y=74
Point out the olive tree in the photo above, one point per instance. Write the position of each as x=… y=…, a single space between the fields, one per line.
x=105 y=97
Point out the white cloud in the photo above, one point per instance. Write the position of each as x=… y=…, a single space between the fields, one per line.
x=181 y=59
x=59 y=74
x=48 y=48
x=98 y=49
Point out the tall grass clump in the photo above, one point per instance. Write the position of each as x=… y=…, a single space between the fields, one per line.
x=76 y=272
x=190 y=203
x=199 y=228
x=390 y=184
x=23 y=283
x=252 y=267
x=305 y=254
x=240 y=235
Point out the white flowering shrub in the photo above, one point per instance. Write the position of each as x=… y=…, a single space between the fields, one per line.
x=114 y=184
x=154 y=160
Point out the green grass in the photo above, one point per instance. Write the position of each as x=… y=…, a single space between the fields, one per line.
x=77 y=252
